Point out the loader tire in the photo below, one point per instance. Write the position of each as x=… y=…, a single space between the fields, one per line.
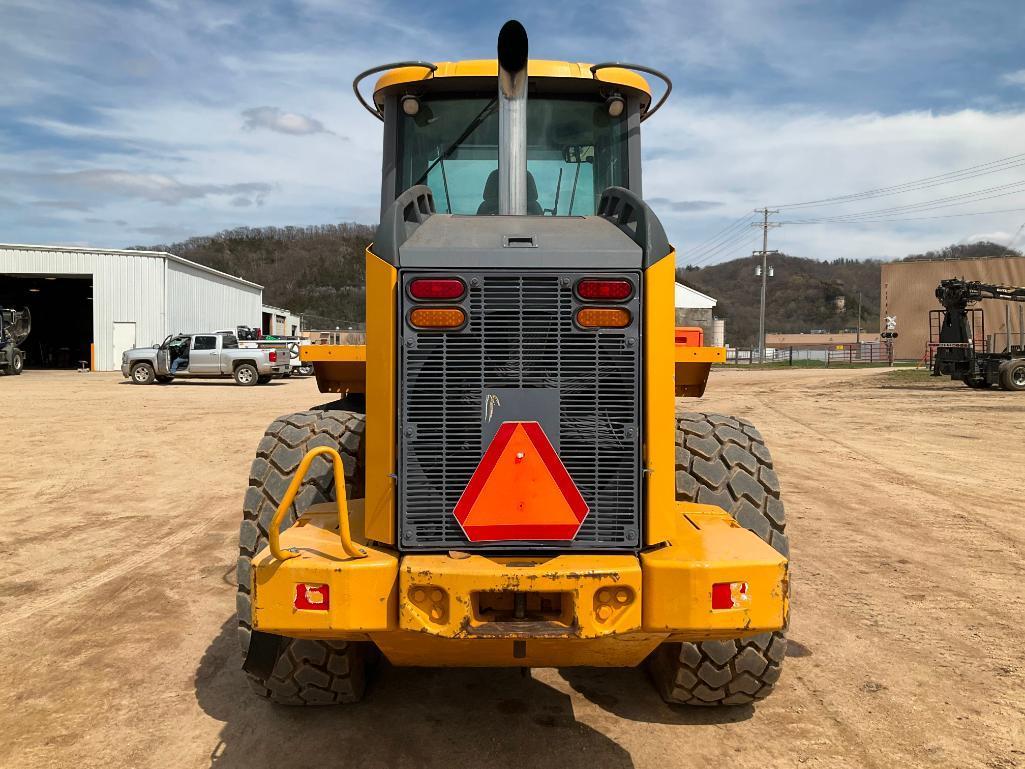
x=307 y=672
x=723 y=461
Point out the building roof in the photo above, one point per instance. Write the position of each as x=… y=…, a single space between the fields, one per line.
x=131 y=252
x=818 y=340
x=688 y=298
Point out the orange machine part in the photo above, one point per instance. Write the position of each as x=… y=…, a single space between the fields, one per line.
x=690 y=336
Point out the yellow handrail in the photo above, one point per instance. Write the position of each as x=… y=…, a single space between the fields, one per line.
x=274 y=533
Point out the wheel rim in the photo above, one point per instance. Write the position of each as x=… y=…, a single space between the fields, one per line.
x=141 y=374
x=245 y=375
x=1018 y=376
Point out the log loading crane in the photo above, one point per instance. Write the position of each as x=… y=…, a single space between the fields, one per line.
x=956 y=355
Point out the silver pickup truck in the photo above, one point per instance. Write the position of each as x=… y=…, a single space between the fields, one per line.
x=201 y=355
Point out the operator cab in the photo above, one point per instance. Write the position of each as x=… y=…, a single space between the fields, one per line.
x=442 y=130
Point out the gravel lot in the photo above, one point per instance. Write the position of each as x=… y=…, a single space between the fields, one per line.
x=117 y=644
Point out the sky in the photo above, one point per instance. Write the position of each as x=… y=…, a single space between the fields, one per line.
x=148 y=122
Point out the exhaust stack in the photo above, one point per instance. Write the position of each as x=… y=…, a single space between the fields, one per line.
x=512 y=119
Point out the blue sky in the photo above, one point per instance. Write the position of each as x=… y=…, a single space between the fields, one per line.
x=147 y=122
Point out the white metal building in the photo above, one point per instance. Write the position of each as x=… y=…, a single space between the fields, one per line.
x=91 y=304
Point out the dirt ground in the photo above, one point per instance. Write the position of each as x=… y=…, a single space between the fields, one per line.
x=117 y=644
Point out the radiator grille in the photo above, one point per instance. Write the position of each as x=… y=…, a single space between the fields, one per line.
x=520 y=334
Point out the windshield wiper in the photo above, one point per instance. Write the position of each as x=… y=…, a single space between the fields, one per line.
x=473 y=126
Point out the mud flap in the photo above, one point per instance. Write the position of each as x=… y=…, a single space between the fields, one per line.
x=264 y=650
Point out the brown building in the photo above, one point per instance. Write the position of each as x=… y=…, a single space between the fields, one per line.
x=908 y=292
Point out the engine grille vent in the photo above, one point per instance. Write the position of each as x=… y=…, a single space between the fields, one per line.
x=520 y=334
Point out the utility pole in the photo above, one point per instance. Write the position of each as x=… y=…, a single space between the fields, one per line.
x=765 y=224
x=859 y=321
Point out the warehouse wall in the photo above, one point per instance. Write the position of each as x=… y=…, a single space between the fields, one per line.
x=201 y=301
x=123 y=285
x=129 y=287
x=908 y=291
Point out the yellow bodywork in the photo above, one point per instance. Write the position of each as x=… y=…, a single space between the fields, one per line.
x=692 y=365
x=579 y=609
x=488 y=68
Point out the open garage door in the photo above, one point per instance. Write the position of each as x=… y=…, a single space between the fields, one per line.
x=62 y=317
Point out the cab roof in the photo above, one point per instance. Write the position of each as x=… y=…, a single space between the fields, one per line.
x=617 y=76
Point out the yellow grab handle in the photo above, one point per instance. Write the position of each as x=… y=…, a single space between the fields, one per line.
x=274 y=533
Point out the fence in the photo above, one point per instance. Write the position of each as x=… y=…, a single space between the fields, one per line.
x=867 y=353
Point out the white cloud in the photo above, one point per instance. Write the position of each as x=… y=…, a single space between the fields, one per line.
x=748 y=158
x=274 y=119
x=1015 y=78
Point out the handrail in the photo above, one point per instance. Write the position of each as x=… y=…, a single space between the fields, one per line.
x=640 y=68
x=274 y=533
x=382 y=68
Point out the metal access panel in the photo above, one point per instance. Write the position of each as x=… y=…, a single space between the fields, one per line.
x=520 y=356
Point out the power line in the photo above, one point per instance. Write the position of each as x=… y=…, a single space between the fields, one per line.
x=994 y=166
x=730 y=234
x=742 y=220
x=902 y=219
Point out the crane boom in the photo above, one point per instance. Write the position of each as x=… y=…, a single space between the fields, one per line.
x=956 y=354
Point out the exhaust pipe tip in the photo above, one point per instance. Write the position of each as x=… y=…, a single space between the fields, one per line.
x=512 y=47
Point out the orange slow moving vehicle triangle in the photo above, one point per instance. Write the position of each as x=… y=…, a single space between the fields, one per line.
x=520 y=490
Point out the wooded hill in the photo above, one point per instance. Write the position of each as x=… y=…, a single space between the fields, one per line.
x=319 y=270
x=801 y=295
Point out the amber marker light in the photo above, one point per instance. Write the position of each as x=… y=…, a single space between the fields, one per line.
x=437 y=317
x=603 y=317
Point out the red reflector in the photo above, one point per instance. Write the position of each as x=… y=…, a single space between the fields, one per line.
x=729 y=595
x=312 y=597
x=273 y=356
x=436 y=288
x=609 y=290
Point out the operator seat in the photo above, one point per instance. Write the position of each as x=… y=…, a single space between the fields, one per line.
x=489 y=206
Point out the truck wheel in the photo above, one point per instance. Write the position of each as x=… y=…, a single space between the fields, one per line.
x=17 y=362
x=143 y=374
x=305 y=370
x=1012 y=375
x=978 y=384
x=723 y=461
x=307 y=671
x=245 y=374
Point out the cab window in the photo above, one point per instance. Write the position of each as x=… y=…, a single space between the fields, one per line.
x=575 y=151
x=204 y=343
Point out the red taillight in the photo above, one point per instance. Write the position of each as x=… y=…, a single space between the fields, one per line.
x=437 y=288
x=729 y=595
x=607 y=290
x=312 y=597
x=273 y=356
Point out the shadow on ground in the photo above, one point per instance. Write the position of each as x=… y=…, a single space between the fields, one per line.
x=425 y=717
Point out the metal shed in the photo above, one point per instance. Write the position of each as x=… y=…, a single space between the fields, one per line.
x=91 y=304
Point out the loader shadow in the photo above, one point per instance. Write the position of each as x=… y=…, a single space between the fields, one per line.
x=411 y=717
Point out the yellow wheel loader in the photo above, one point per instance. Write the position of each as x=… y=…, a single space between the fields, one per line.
x=504 y=479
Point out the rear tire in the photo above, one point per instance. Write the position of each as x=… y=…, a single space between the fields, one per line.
x=245 y=374
x=142 y=374
x=1012 y=375
x=17 y=363
x=307 y=672
x=723 y=461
